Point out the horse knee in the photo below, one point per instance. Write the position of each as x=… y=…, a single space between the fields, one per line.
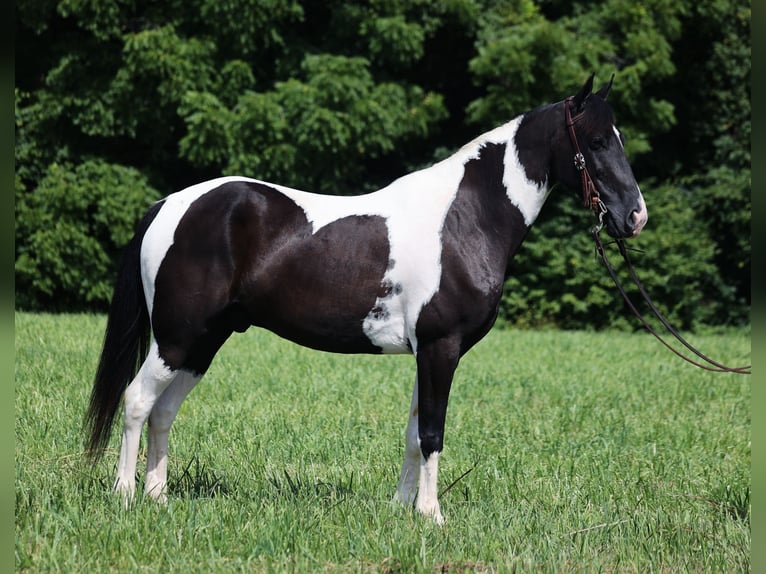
x=431 y=442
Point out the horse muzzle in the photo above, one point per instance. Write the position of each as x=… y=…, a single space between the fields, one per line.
x=626 y=226
x=639 y=218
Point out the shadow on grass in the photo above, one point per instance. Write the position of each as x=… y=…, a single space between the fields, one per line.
x=198 y=481
x=295 y=486
x=735 y=501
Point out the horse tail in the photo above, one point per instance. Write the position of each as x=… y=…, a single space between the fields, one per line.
x=126 y=342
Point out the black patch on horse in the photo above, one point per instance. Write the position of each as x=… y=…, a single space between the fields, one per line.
x=529 y=141
x=244 y=254
x=481 y=231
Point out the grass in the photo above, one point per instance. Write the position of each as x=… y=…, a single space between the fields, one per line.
x=569 y=452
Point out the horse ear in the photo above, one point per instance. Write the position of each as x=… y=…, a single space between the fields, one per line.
x=584 y=92
x=604 y=92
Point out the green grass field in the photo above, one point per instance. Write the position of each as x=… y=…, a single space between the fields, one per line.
x=584 y=452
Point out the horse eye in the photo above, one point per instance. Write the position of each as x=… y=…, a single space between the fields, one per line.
x=597 y=143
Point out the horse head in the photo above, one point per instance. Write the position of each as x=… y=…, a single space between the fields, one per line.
x=591 y=157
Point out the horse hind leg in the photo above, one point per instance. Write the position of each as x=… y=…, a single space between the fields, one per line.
x=161 y=418
x=201 y=336
x=153 y=377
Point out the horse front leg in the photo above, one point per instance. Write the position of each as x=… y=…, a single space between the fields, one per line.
x=408 y=478
x=436 y=367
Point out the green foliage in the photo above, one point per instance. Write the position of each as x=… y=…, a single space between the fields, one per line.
x=73 y=228
x=722 y=203
x=295 y=133
x=558 y=281
x=525 y=59
x=243 y=28
x=714 y=128
x=343 y=97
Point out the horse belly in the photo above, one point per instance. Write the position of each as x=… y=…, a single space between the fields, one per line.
x=317 y=290
x=334 y=320
x=337 y=332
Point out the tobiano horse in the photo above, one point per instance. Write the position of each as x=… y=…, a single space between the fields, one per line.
x=417 y=267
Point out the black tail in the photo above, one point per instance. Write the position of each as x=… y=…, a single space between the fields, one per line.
x=126 y=343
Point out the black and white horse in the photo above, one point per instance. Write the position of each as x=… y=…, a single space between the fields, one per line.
x=417 y=267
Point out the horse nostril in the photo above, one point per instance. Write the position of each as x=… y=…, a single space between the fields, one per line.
x=639 y=219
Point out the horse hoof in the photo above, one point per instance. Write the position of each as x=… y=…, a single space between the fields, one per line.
x=126 y=491
x=158 y=493
x=434 y=514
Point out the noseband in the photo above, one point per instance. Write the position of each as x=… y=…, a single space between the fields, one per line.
x=590 y=194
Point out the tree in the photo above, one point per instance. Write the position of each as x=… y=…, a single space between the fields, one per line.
x=70 y=233
x=343 y=97
x=296 y=132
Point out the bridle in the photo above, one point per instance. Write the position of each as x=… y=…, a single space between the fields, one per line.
x=592 y=200
x=590 y=196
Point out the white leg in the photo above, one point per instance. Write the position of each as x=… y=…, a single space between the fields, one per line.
x=150 y=381
x=408 y=479
x=428 y=503
x=160 y=419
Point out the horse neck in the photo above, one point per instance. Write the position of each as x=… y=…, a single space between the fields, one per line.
x=539 y=133
x=527 y=168
x=503 y=185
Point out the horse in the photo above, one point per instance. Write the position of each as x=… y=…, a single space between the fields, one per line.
x=416 y=267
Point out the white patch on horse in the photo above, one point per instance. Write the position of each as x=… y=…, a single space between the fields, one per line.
x=161 y=418
x=641 y=216
x=159 y=236
x=427 y=502
x=524 y=193
x=414 y=208
x=149 y=383
x=619 y=137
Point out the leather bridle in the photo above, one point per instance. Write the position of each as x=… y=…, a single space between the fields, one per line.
x=590 y=196
x=592 y=200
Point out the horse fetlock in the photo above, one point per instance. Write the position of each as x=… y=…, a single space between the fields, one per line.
x=431 y=442
x=430 y=509
x=157 y=491
x=125 y=489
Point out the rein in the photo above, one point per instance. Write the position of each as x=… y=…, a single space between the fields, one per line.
x=711 y=364
x=592 y=199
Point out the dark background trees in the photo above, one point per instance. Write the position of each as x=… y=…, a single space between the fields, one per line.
x=118 y=103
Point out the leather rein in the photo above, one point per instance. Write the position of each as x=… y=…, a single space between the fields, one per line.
x=592 y=200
